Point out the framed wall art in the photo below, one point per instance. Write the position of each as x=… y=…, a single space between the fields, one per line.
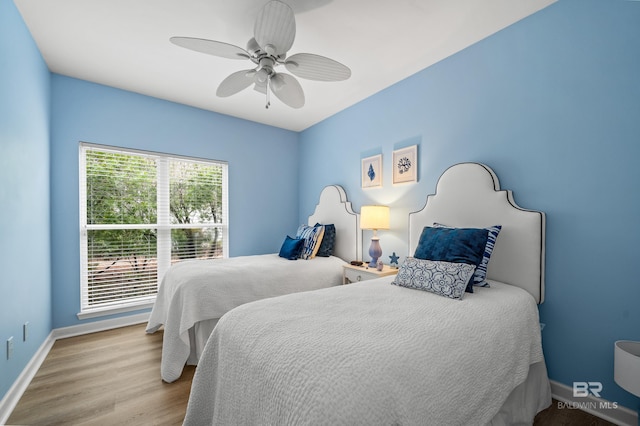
x=372 y=171
x=405 y=165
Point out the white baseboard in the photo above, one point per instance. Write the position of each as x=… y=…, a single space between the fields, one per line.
x=12 y=397
x=607 y=410
x=14 y=393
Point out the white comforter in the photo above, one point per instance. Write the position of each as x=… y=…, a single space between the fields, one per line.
x=200 y=290
x=367 y=354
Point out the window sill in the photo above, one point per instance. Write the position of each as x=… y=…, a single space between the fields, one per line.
x=103 y=312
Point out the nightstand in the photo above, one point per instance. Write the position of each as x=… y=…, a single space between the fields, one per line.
x=353 y=274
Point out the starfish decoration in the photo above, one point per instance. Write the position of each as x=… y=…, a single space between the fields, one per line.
x=394 y=258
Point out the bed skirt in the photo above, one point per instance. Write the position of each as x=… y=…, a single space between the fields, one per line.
x=198 y=336
x=526 y=400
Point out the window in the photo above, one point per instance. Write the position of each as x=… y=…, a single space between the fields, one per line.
x=140 y=212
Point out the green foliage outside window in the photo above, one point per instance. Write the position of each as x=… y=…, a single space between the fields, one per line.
x=122 y=189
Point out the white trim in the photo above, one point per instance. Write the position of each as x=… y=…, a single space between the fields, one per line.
x=150 y=154
x=109 y=310
x=621 y=416
x=13 y=395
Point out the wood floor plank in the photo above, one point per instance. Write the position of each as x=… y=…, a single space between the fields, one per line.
x=113 y=378
x=106 y=378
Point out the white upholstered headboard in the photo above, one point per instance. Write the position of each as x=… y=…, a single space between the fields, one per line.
x=469 y=195
x=334 y=208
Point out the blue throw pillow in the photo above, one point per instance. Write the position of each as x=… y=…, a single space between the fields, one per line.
x=443 y=278
x=456 y=245
x=480 y=276
x=328 y=241
x=291 y=248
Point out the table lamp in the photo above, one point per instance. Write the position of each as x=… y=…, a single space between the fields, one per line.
x=374 y=217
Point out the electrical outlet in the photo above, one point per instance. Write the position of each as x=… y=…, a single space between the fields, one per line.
x=25 y=331
x=9 y=347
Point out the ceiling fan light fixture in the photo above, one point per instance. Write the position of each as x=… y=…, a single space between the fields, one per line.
x=262 y=75
x=274 y=33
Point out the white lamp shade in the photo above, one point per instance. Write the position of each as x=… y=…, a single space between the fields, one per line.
x=627 y=366
x=374 y=217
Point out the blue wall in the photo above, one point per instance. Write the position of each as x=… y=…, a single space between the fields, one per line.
x=25 y=278
x=263 y=187
x=552 y=104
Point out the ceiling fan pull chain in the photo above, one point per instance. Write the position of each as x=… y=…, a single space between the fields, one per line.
x=268 y=90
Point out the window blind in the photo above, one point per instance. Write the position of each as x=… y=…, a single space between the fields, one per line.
x=141 y=212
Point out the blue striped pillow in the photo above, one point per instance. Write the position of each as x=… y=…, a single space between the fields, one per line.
x=312 y=236
x=480 y=275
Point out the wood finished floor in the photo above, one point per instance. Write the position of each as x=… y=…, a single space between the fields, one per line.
x=113 y=378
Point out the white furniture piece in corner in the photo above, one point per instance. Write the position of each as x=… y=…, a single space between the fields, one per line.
x=627 y=367
x=354 y=274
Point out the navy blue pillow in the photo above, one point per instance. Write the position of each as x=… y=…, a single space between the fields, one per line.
x=328 y=241
x=291 y=248
x=457 y=245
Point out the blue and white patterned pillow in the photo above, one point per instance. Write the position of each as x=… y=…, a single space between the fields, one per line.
x=312 y=236
x=443 y=278
x=480 y=276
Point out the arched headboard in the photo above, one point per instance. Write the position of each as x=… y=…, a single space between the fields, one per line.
x=334 y=208
x=469 y=195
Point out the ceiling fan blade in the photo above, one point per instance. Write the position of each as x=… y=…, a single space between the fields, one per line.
x=236 y=82
x=275 y=28
x=211 y=47
x=316 y=67
x=288 y=90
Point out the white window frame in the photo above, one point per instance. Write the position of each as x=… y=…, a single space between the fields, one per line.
x=163 y=226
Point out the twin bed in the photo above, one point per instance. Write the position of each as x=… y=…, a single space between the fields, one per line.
x=377 y=353
x=194 y=294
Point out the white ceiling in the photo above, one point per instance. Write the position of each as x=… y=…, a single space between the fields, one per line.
x=125 y=44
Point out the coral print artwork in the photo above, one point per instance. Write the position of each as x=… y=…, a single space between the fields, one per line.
x=405 y=165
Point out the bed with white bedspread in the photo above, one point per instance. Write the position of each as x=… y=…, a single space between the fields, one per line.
x=373 y=353
x=194 y=294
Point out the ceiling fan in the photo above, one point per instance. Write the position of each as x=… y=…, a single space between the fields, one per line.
x=274 y=32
